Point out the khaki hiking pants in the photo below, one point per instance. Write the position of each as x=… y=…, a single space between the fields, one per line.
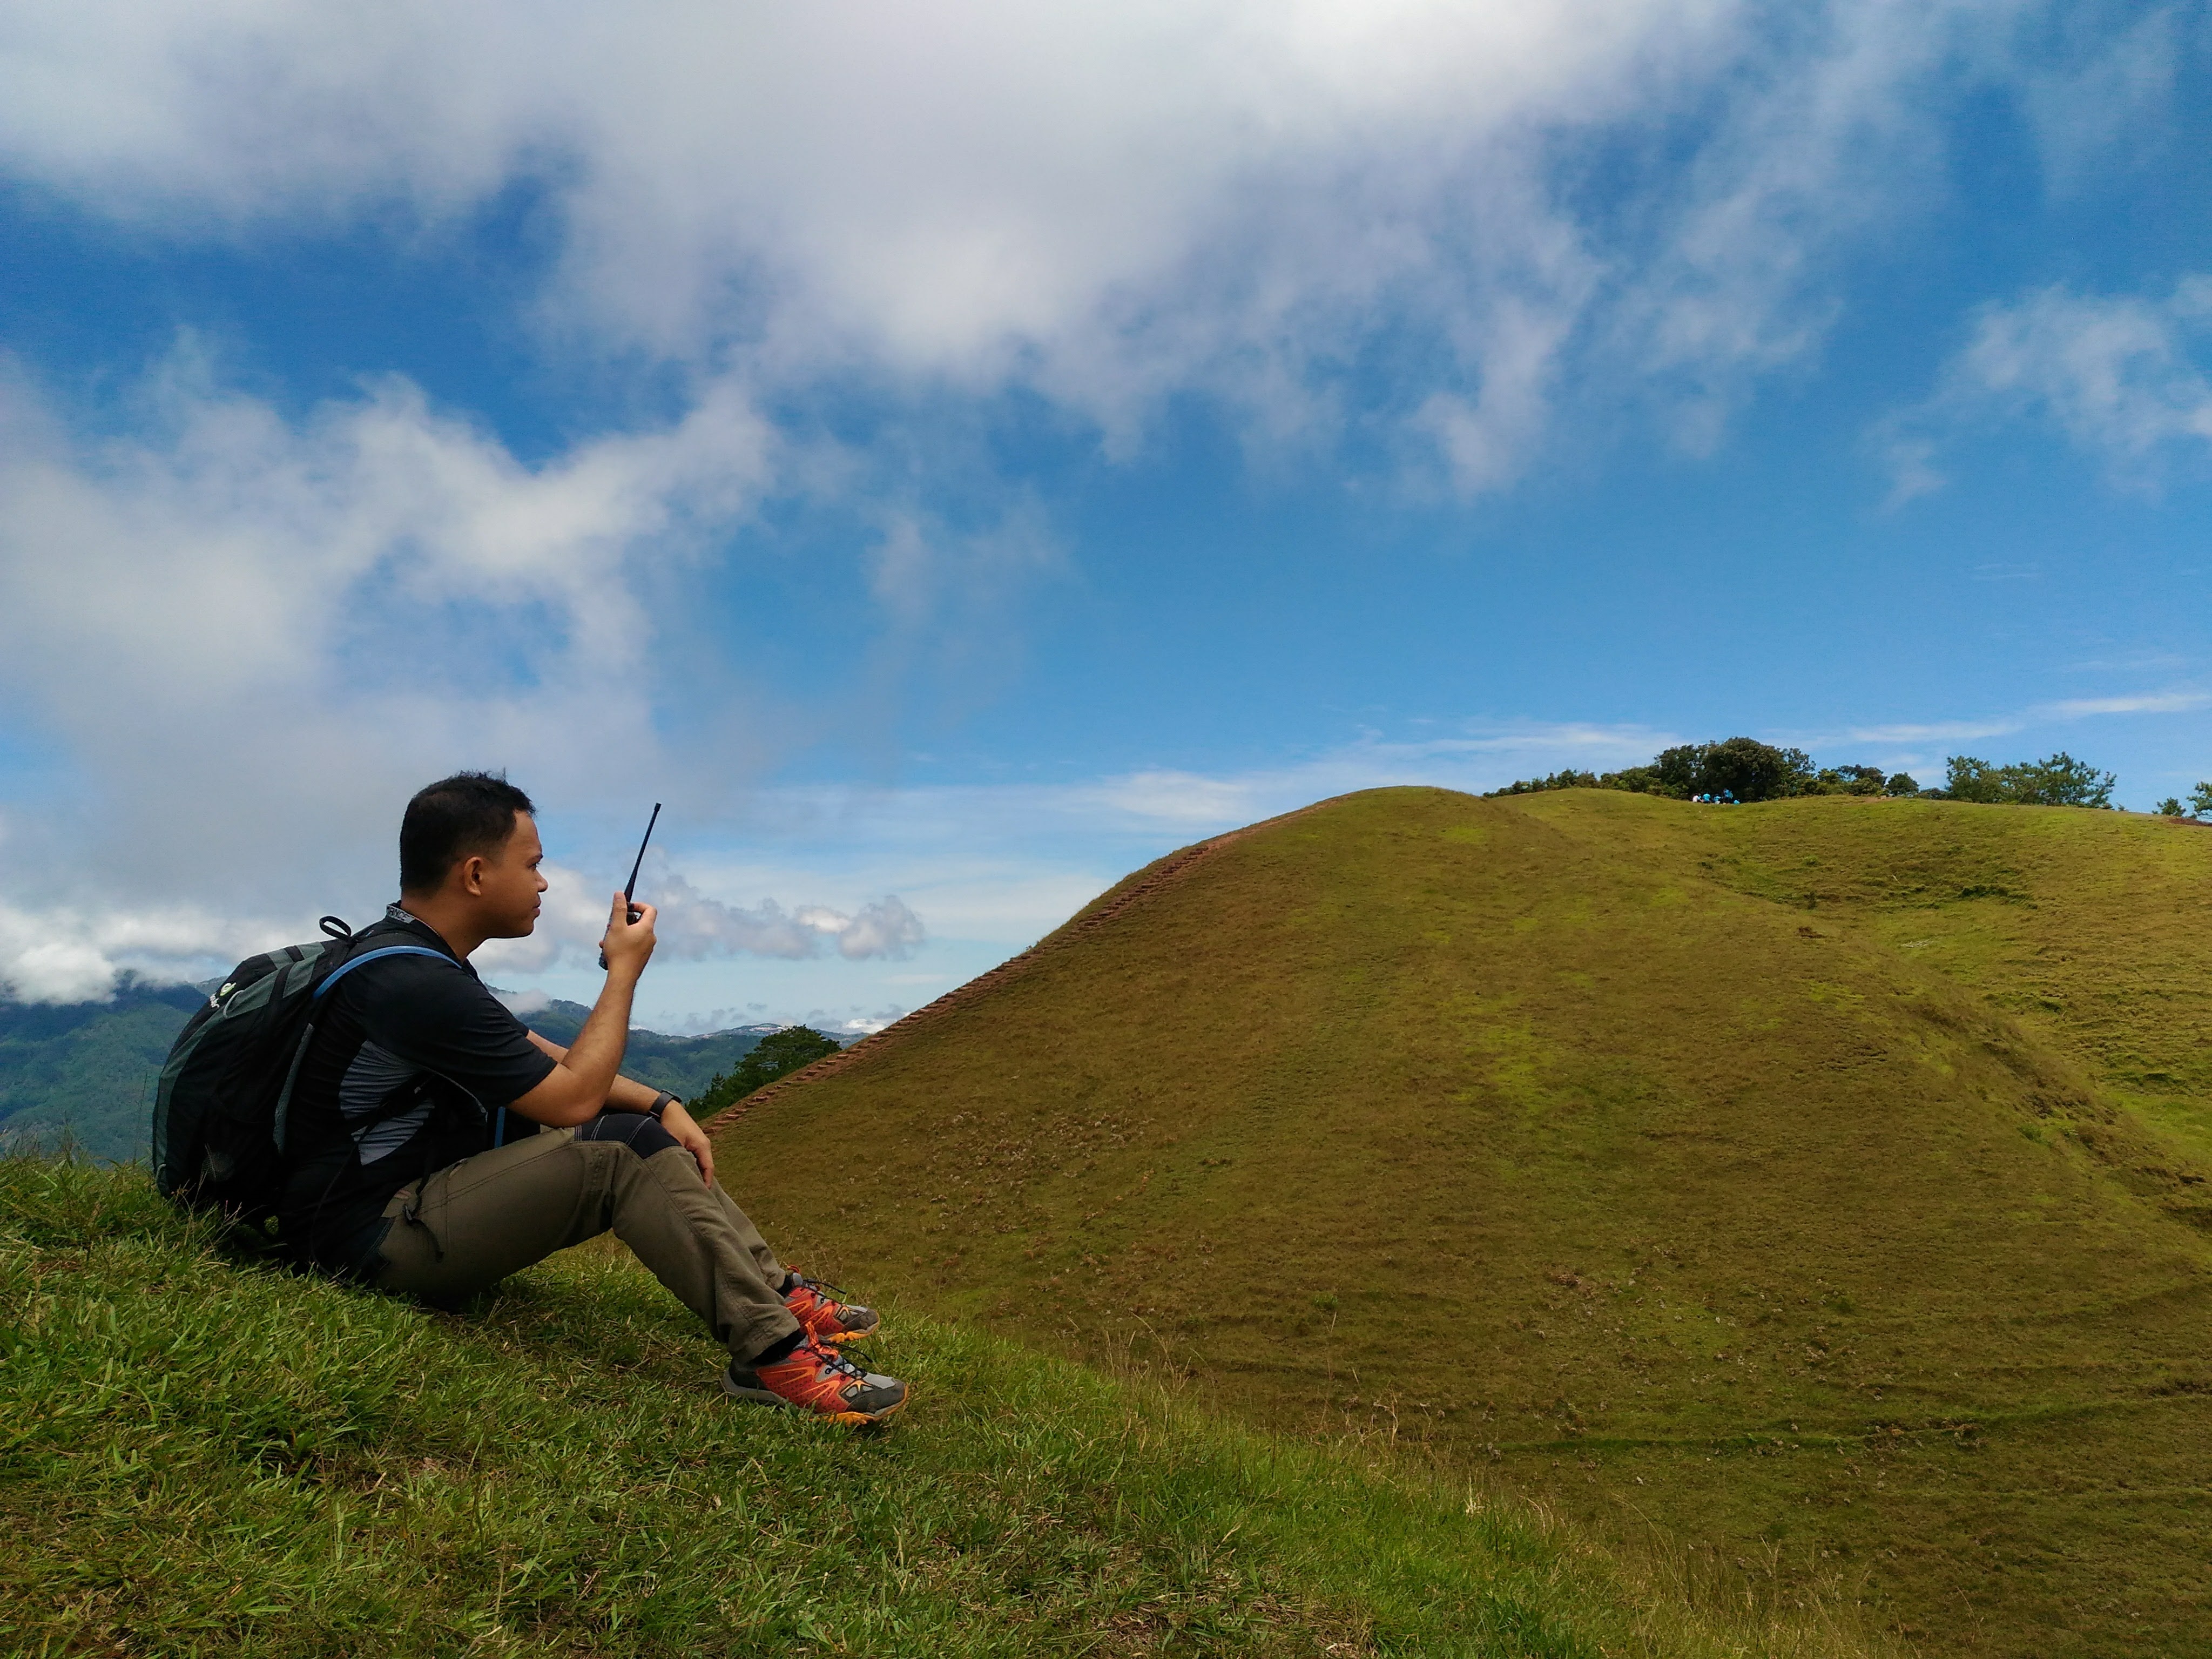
x=467 y=1226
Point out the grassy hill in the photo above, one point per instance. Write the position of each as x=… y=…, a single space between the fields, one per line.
x=85 y=1071
x=1822 y=1182
x=201 y=1455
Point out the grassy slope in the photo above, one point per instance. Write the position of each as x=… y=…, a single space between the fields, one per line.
x=2089 y=931
x=201 y=1456
x=1819 y=1179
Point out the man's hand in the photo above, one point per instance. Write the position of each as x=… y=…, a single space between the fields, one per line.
x=628 y=944
x=690 y=1137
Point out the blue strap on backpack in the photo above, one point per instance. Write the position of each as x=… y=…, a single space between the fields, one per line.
x=283 y=1113
x=344 y=969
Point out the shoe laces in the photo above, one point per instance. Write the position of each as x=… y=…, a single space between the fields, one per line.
x=817 y=1286
x=835 y=1363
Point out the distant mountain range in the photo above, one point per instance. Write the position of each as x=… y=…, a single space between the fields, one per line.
x=85 y=1071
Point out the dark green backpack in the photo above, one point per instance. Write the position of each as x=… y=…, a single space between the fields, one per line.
x=220 y=1109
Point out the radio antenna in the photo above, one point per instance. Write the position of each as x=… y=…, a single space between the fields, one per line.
x=629 y=887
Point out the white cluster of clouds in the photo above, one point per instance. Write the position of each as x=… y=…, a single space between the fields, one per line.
x=1108 y=202
x=253 y=636
x=224 y=615
x=943 y=187
x=692 y=924
x=849 y=1025
x=295 y=605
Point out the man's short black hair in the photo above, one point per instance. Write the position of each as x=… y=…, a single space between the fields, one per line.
x=469 y=815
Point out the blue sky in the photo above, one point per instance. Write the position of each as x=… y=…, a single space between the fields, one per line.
x=953 y=456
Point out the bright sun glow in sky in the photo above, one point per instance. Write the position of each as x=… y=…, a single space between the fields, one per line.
x=955 y=451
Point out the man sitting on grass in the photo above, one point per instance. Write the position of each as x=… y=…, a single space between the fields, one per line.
x=435 y=1145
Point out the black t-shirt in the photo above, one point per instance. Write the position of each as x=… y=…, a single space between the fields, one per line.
x=411 y=1062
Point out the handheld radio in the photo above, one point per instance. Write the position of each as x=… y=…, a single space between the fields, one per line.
x=629 y=887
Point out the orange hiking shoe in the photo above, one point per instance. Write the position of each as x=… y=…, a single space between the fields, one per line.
x=824 y=1317
x=815 y=1378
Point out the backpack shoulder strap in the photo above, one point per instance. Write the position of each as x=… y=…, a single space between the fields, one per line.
x=281 y=1122
x=347 y=967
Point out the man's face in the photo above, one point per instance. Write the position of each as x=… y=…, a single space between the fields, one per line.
x=507 y=884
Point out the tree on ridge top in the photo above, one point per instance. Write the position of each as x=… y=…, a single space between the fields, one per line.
x=775 y=1055
x=2057 y=779
x=1741 y=769
x=1746 y=770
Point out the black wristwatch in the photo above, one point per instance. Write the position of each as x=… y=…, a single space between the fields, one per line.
x=661 y=1104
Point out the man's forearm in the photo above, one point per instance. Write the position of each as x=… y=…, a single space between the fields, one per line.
x=577 y=1088
x=627 y=1094
x=596 y=1056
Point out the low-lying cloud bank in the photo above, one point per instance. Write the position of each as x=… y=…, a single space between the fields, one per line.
x=693 y=926
x=67 y=954
x=999 y=864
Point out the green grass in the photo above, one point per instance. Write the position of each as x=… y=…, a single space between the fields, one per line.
x=1822 y=1182
x=203 y=1454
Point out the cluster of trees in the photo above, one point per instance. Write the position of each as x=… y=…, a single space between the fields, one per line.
x=2059 y=781
x=1739 y=768
x=2200 y=804
x=1745 y=769
x=775 y=1055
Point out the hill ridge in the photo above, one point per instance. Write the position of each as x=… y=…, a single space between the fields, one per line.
x=1117 y=899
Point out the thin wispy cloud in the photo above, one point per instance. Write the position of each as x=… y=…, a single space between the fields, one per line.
x=2121 y=377
x=2036 y=715
x=2158 y=702
x=1912 y=733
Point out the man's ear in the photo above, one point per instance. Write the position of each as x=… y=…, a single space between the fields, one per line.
x=472 y=871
